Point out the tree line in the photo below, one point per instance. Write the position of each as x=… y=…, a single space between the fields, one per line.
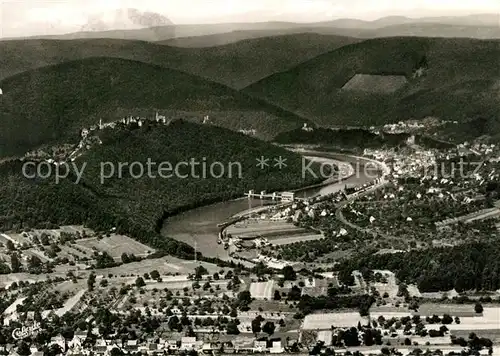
x=472 y=266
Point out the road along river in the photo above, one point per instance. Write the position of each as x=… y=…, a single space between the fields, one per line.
x=198 y=227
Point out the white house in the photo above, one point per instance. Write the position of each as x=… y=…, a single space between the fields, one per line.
x=276 y=348
x=188 y=343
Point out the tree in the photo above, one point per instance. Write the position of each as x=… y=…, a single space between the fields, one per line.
x=269 y=328
x=232 y=328
x=244 y=300
x=295 y=293
x=44 y=239
x=200 y=271
x=139 y=282
x=155 y=274
x=277 y=295
x=125 y=259
x=15 y=263
x=10 y=245
x=34 y=262
x=289 y=273
x=256 y=326
x=91 y=281
x=369 y=337
x=115 y=351
x=23 y=349
x=173 y=323
x=478 y=308
x=447 y=319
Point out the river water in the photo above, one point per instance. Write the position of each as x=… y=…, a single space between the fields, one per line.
x=198 y=227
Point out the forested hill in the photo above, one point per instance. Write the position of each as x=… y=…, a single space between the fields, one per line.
x=391 y=79
x=466 y=267
x=236 y=65
x=348 y=139
x=354 y=139
x=137 y=204
x=52 y=104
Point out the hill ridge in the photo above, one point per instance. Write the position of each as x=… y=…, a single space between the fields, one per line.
x=457 y=82
x=235 y=65
x=61 y=99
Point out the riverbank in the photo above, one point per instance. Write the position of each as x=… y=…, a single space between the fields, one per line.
x=346 y=170
x=199 y=226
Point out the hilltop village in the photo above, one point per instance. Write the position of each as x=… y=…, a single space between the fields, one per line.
x=289 y=285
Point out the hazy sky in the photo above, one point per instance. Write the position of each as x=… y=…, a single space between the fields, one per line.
x=30 y=17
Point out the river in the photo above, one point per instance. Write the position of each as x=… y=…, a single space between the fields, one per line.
x=199 y=226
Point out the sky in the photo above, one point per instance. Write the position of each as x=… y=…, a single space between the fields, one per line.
x=42 y=17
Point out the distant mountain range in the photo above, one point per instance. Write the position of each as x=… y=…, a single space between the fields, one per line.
x=155 y=27
x=483 y=20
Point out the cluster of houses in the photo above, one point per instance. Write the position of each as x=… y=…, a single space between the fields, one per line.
x=249 y=132
x=412 y=125
x=403 y=164
x=81 y=344
x=307 y=128
x=129 y=120
x=87 y=140
x=481 y=149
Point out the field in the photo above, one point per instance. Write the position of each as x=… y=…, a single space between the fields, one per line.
x=71 y=229
x=7 y=279
x=488 y=321
x=292 y=239
x=316 y=288
x=264 y=228
x=262 y=290
x=493 y=335
x=375 y=83
x=177 y=283
x=325 y=336
x=277 y=232
x=271 y=306
x=116 y=245
x=460 y=310
x=70 y=286
x=165 y=266
x=326 y=320
x=15 y=238
x=71 y=303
